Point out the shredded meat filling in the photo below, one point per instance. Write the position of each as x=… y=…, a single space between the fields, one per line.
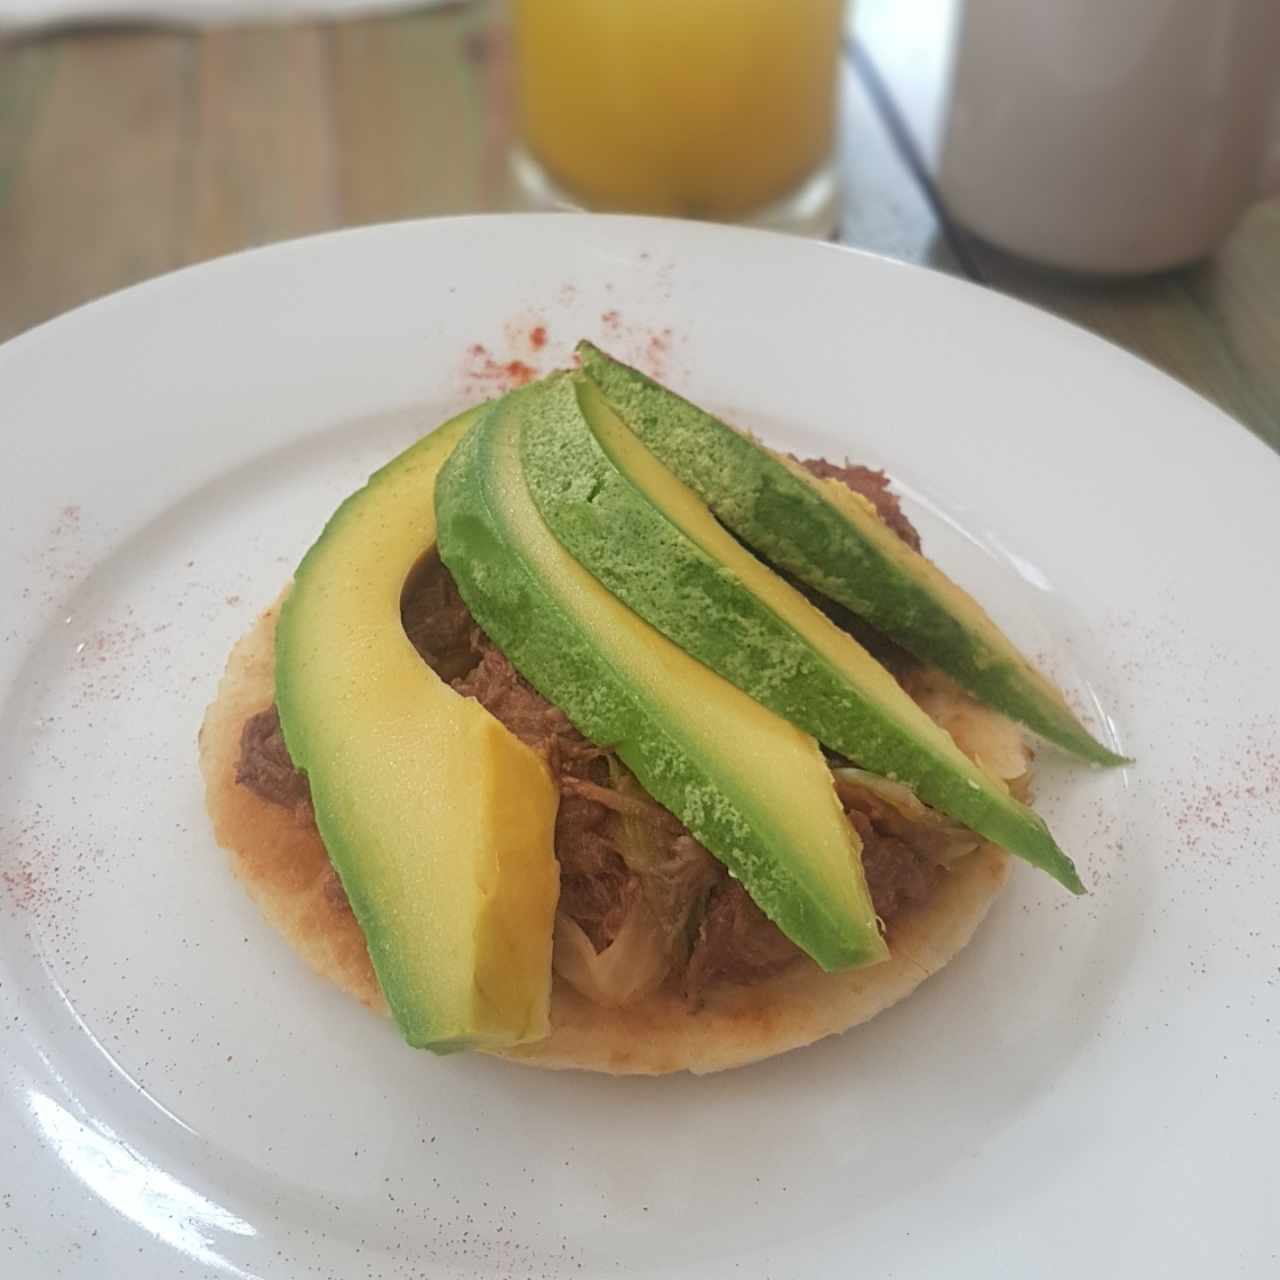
x=500 y=689
x=596 y=886
x=265 y=768
x=725 y=936
x=736 y=943
x=597 y=889
x=437 y=622
x=899 y=874
x=872 y=485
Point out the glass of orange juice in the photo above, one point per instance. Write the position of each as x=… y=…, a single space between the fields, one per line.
x=718 y=109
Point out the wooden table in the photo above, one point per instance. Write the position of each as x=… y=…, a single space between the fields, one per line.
x=126 y=153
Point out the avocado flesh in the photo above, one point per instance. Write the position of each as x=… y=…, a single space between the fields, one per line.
x=751 y=787
x=653 y=543
x=833 y=540
x=439 y=822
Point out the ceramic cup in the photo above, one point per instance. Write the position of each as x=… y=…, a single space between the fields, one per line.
x=1117 y=138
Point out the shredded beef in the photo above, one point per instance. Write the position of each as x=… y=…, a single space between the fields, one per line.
x=265 y=768
x=736 y=942
x=439 y=625
x=596 y=886
x=503 y=692
x=895 y=857
x=872 y=485
x=677 y=884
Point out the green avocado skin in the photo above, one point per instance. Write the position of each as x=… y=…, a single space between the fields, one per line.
x=782 y=517
x=523 y=615
x=617 y=533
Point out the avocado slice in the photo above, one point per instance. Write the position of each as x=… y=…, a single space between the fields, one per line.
x=833 y=540
x=648 y=538
x=751 y=787
x=439 y=821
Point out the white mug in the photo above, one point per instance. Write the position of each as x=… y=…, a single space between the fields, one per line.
x=1110 y=136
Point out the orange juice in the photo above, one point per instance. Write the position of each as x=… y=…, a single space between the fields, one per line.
x=695 y=108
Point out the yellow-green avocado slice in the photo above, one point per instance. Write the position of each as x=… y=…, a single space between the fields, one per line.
x=751 y=787
x=832 y=539
x=439 y=821
x=650 y=540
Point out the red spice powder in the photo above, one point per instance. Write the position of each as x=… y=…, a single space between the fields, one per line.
x=23 y=886
x=524 y=352
x=1240 y=806
x=657 y=351
x=647 y=348
x=485 y=372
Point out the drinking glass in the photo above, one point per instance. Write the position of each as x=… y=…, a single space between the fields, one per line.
x=716 y=109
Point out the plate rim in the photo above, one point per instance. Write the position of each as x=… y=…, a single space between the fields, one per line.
x=143 y=290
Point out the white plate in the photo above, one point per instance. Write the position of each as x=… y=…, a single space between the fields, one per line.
x=1090 y=1089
